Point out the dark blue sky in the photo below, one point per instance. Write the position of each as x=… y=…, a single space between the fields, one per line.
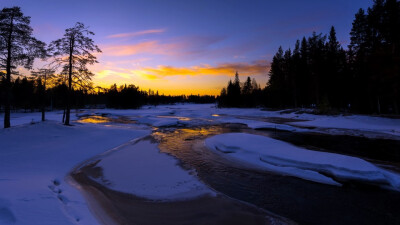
x=186 y=46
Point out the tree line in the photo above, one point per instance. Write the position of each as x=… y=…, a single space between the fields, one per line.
x=69 y=54
x=28 y=94
x=64 y=82
x=320 y=73
x=236 y=94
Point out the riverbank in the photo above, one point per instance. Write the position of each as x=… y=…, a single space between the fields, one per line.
x=36 y=156
x=34 y=160
x=114 y=207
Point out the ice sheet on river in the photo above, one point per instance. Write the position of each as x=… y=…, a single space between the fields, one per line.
x=274 y=155
x=142 y=170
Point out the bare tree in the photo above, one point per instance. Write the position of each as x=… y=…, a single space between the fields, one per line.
x=74 y=52
x=17 y=48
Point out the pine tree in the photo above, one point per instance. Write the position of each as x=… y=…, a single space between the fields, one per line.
x=74 y=52
x=17 y=48
x=247 y=87
x=275 y=85
x=43 y=76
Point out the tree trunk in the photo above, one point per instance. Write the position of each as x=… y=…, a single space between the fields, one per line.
x=44 y=99
x=7 y=107
x=68 y=107
x=43 y=113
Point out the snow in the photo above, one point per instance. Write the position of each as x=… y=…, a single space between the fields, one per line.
x=355 y=123
x=206 y=114
x=34 y=159
x=141 y=170
x=203 y=114
x=36 y=156
x=158 y=122
x=20 y=118
x=270 y=154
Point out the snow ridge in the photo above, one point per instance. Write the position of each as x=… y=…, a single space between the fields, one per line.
x=274 y=155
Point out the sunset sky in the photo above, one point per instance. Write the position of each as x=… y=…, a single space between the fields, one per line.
x=188 y=47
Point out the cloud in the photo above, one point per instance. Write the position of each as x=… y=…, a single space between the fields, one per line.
x=147 y=47
x=182 y=48
x=260 y=67
x=137 y=33
x=202 y=79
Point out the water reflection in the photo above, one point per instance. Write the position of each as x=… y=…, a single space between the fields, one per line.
x=303 y=201
x=97 y=119
x=94 y=119
x=126 y=208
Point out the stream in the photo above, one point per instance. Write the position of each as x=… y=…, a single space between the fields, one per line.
x=268 y=193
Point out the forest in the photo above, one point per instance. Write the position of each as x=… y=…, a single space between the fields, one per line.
x=64 y=82
x=319 y=73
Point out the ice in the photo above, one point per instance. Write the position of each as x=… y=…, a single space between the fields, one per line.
x=282 y=157
x=36 y=156
x=142 y=170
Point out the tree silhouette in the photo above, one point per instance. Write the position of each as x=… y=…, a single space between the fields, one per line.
x=74 y=52
x=43 y=76
x=17 y=48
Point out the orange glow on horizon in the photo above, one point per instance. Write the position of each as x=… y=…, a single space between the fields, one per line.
x=169 y=80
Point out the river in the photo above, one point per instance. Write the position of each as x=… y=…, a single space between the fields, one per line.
x=247 y=194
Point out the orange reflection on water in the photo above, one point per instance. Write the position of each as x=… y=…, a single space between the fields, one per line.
x=94 y=119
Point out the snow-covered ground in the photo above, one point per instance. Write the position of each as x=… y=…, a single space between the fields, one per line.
x=201 y=114
x=141 y=170
x=34 y=160
x=36 y=156
x=274 y=155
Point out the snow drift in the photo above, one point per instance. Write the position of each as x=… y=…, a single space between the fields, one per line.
x=274 y=155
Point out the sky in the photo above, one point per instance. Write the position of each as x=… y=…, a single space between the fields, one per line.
x=187 y=46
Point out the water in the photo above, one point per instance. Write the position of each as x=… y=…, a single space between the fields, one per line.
x=302 y=201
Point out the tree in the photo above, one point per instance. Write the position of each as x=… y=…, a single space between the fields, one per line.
x=375 y=56
x=275 y=83
x=235 y=91
x=74 y=52
x=247 y=87
x=43 y=75
x=17 y=48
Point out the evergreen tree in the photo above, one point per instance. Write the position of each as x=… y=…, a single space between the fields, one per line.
x=247 y=87
x=74 y=52
x=43 y=76
x=17 y=48
x=275 y=85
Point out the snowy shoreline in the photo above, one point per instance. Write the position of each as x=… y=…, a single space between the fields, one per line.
x=34 y=160
x=36 y=156
x=118 y=201
x=281 y=157
x=255 y=118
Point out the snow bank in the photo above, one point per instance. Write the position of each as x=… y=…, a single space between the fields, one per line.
x=275 y=155
x=355 y=123
x=141 y=170
x=206 y=114
x=34 y=159
x=157 y=122
x=255 y=124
